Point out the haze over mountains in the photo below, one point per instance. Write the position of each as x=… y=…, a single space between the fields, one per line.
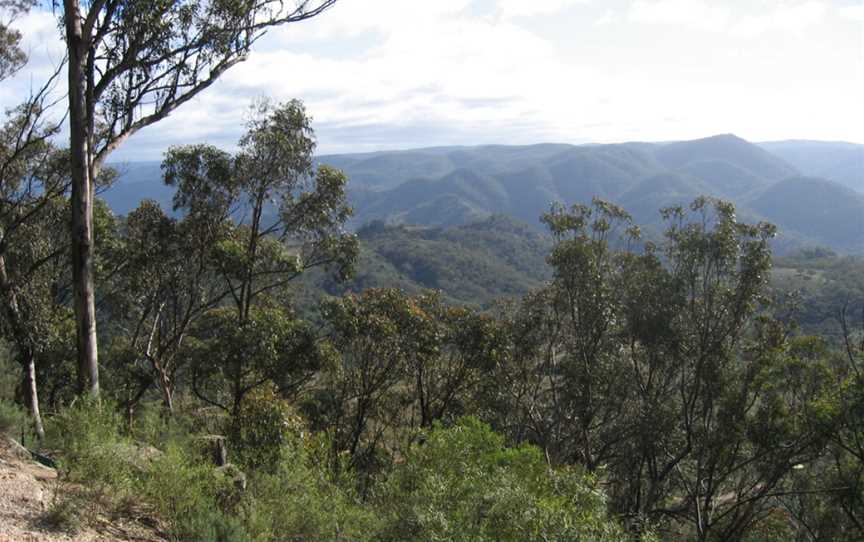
x=813 y=191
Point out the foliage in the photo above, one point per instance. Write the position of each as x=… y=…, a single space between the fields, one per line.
x=818 y=283
x=296 y=499
x=462 y=483
x=186 y=493
x=88 y=432
x=471 y=265
x=230 y=359
x=654 y=366
x=638 y=387
x=263 y=426
x=64 y=513
x=295 y=212
x=13 y=418
x=395 y=349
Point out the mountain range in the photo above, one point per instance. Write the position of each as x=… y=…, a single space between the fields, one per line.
x=813 y=191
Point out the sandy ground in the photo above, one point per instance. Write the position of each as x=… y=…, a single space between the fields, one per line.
x=27 y=489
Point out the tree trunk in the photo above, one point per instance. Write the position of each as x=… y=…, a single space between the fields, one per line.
x=167 y=392
x=33 y=396
x=82 y=203
x=24 y=346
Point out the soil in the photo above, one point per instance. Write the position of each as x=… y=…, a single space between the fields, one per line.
x=27 y=491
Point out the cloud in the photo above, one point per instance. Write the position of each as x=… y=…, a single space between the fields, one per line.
x=446 y=67
x=697 y=14
x=528 y=8
x=741 y=20
x=795 y=18
x=853 y=12
x=398 y=73
x=610 y=16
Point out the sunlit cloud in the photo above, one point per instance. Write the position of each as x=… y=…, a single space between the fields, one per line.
x=394 y=74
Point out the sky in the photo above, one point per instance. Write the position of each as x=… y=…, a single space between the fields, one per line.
x=395 y=74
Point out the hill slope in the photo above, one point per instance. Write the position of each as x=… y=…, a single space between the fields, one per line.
x=837 y=161
x=452 y=186
x=818 y=209
x=472 y=264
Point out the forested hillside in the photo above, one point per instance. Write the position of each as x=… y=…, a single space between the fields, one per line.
x=453 y=186
x=475 y=264
x=837 y=161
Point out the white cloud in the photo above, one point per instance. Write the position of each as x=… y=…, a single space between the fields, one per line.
x=740 y=20
x=697 y=14
x=795 y=18
x=853 y=13
x=610 y=16
x=353 y=17
x=399 y=73
x=528 y=8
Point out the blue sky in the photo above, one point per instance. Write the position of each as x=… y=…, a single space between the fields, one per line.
x=386 y=74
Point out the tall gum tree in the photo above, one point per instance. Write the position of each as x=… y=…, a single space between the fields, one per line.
x=33 y=184
x=130 y=64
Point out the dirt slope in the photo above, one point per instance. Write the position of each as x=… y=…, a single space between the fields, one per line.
x=27 y=490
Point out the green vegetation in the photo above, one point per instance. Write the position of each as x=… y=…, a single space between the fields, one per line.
x=624 y=389
x=816 y=284
x=464 y=484
x=475 y=264
x=644 y=391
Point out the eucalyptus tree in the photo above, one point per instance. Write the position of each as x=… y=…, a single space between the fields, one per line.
x=30 y=254
x=657 y=365
x=287 y=215
x=380 y=336
x=278 y=215
x=830 y=503
x=130 y=64
x=401 y=363
x=33 y=187
x=12 y=57
x=162 y=280
x=463 y=348
x=585 y=374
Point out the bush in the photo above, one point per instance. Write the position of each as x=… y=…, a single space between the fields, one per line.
x=187 y=493
x=262 y=429
x=14 y=420
x=209 y=525
x=93 y=450
x=464 y=484
x=10 y=374
x=299 y=500
x=64 y=513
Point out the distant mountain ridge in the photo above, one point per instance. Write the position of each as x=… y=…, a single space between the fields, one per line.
x=833 y=160
x=807 y=188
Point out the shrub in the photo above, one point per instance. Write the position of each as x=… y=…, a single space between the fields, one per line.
x=263 y=427
x=13 y=419
x=299 y=500
x=464 y=484
x=186 y=493
x=93 y=450
x=64 y=513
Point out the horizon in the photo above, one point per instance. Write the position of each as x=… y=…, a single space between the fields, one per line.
x=114 y=161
